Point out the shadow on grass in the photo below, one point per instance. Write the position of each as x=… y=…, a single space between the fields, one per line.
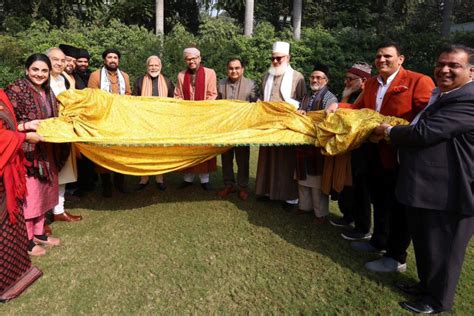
x=297 y=230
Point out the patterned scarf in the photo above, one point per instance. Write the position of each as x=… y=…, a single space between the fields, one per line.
x=12 y=164
x=106 y=85
x=199 y=84
x=29 y=103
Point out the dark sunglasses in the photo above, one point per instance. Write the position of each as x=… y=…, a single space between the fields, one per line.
x=278 y=59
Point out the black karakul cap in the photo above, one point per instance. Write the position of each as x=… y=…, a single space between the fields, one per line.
x=111 y=50
x=83 y=53
x=69 y=50
x=321 y=67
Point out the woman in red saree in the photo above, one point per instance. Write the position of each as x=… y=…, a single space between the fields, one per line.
x=33 y=100
x=16 y=271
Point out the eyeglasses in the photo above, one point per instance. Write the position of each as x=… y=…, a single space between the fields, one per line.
x=318 y=78
x=188 y=60
x=350 y=79
x=277 y=58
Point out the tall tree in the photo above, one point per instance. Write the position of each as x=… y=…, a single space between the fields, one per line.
x=446 y=17
x=248 y=27
x=159 y=17
x=297 y=14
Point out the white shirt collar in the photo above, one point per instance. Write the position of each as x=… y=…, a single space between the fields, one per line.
x=389 y=79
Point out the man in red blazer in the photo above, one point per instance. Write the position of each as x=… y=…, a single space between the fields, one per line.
x=401 y=93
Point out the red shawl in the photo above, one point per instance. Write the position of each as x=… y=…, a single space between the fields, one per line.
x=199 y=87
x=12 y=161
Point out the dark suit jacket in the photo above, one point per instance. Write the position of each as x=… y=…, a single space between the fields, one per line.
x=407 y=95
x=437 y=155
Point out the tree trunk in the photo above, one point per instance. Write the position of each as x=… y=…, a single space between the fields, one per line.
x=160 y=17
x=297 y=13
x=248 y=28
x=447 y=14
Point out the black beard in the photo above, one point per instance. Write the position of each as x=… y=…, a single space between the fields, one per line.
x=113 y=68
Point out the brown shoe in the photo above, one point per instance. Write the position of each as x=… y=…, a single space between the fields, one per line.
x=243 y=195
x=66 y=217
x=47 y=230
x=226 y=191
x=37 y=251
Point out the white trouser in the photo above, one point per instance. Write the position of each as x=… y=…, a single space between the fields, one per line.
x=313 y=199
x=59 y=208
x=189 y=177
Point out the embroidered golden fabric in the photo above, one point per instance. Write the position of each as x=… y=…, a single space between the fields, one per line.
x=153 y=135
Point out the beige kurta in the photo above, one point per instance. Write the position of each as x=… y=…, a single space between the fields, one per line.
x=210 y=83
x=276 y=165
x=211 y=94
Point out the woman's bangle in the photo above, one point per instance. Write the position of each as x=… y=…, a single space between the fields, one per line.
x=24 y=127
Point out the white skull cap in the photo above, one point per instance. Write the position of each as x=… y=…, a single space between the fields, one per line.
x=281 y=47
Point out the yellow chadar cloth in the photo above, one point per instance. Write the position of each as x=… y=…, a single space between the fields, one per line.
x=154 y=135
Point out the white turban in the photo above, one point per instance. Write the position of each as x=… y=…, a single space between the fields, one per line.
x=191 y=51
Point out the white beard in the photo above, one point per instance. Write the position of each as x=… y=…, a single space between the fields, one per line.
x=277 y=71
x=154 y=74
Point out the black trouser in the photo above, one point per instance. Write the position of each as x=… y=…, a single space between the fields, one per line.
x=118 y=181
x=354 y=201
x=346 y=202
x=390 y=226
x=242 y=156
x=85 y=174
x=440 y=239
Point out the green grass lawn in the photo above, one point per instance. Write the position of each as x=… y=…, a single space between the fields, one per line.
x=187 y=251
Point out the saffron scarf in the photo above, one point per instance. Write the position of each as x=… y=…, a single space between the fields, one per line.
x=199 y=85
x=12 y=162
x=147 y=86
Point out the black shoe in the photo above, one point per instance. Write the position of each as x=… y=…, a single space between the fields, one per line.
x=185 y=184
x=340 y=222
x=289 y=207
x=355 y=235
x=411 y=289
x=206 y=186
x=141 y=186
x=420 y=307
x=161 y=186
